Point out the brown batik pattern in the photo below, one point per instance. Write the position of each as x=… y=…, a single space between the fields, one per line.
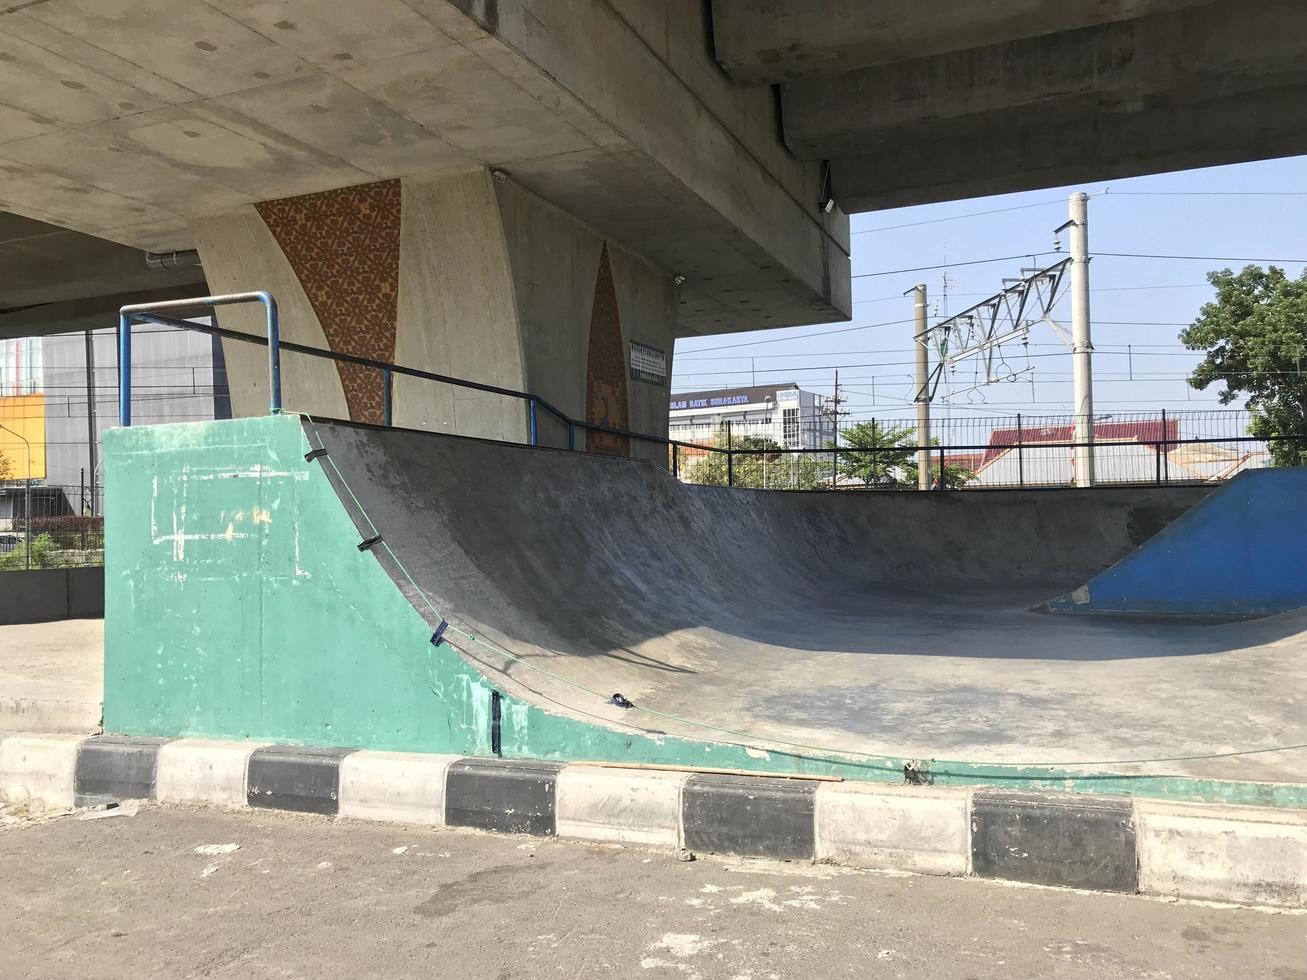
x=344 y=248
x=605 y=376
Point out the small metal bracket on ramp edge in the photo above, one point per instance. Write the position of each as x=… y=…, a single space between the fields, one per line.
x=916 y=772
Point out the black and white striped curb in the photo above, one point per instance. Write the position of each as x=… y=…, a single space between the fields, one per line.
x=1249 y=855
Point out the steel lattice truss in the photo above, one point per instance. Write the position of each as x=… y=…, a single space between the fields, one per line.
x=1007 y=315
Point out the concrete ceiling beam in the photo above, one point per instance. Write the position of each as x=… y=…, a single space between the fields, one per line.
x=1192 y=55
x=47 y=264
x=1166 y=137
x=770 y=41
x=91 y=312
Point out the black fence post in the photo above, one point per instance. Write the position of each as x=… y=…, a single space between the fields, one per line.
x=730 y=457
x=1166 y=456
x=939 y=483
x=676 y=460
x=1021 y=461
x=875 y=455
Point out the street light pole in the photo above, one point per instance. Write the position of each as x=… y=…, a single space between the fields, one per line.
x=27 y=498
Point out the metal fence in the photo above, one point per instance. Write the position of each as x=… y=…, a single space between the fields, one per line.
x=984 y=452
x=58 y=395
x=52 y=423
x=44 y=526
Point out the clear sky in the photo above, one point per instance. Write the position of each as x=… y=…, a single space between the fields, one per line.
x=1138 y=305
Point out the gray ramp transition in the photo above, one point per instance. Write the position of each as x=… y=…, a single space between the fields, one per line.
x=853 y=622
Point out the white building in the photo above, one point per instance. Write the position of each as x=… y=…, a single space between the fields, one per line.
x=787 y=416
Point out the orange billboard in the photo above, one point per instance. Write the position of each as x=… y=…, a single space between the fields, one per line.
x=22 y=437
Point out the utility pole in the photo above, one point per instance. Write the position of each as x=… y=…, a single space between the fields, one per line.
x=835 y=412
x=920 y=339
x=1082 y=348
x=835 y=432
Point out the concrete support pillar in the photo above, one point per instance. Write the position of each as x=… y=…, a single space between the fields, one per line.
x=467 y=276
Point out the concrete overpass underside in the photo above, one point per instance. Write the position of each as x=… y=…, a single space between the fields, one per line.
x=919 y=102
x=515 y=191
x=508 y=192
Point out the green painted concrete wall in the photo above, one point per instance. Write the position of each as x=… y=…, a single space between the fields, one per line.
x=242 y=608
x=239 y=606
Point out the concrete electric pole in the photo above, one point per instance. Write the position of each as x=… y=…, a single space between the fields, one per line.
x=921 y=340
x=1082 y=348
x=835 y=413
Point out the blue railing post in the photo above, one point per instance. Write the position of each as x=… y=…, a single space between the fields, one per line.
x=154 y=313
x=274 y=350
x=124 y=369
x=571 y=437
x=531 y=411
x=387 y=397
x=730 y=456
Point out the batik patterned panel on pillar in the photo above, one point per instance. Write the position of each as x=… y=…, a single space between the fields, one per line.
x=344 y=248
x=605 y=382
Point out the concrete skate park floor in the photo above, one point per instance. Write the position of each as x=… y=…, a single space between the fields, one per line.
x=973 y=679
x=982 y=679
x=52 y=675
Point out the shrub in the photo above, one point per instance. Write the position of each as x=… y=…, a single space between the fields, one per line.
x=67 y=531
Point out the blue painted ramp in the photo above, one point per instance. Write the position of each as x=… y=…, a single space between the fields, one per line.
x=1241 y=552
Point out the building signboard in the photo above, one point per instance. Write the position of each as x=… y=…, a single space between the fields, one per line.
x=648 y=364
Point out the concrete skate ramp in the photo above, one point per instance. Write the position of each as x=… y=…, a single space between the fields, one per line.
x=840 y=622
x=1238 y=553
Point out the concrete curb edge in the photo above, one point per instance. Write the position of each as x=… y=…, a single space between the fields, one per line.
x=1246 y=855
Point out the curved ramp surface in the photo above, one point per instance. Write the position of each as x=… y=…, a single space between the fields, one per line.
x=1242 y=552
x=889 y=624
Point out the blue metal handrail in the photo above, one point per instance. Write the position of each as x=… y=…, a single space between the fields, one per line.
x=150 y=313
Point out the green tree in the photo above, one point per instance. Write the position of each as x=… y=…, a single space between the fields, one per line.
x=955 y=476
x=6 y=467
x=1255 y=338
x=767 y=465
x=875 y=454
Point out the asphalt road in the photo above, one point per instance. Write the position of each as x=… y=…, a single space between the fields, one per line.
x=164 y=894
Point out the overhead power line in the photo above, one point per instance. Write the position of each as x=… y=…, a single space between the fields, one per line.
x=959 y=217
x=832 y=367
x=682 y=359
x=1126 y=289
x=806 y=336
x=879 y=299
x=1109 y=193
x=955 y=265
x=893 y=323
x=1106 y=255
x=898 y=297
x=1207 y=194
x=1194 y=258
